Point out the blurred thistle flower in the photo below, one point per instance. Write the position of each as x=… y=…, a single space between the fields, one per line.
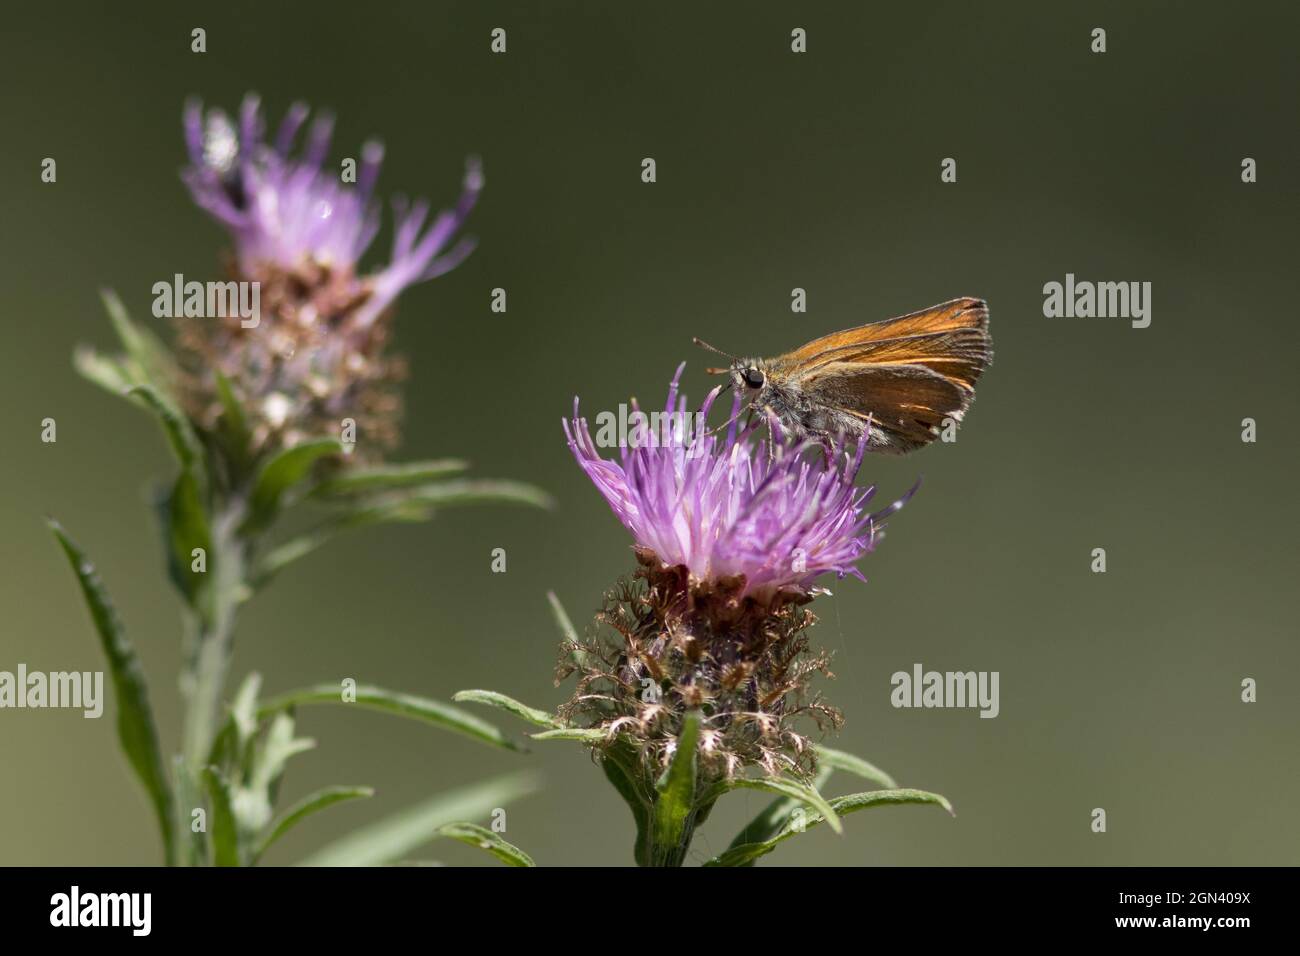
x=731 y=534
x=256 y=408
x=299 y=231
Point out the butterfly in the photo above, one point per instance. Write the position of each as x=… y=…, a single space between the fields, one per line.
x=896 y=383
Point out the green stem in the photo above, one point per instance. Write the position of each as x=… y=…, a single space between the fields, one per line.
x=203 y=709
x=675 y=854
x=212 y=634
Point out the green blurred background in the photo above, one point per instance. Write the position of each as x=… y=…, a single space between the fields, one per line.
x=775 y=170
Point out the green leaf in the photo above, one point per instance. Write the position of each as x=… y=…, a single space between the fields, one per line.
x=312 y=803
x=777 y=814
x=255 y=781
x=243 y=709
x=745 y=854
x=135 y=723
x=186 y=527
x=387 y=477
x=280 y=557
x=567 y=630
x=404 y=705
x=590 y=735
x=233 y=744
x=786 y=788
x=107 y=372
x=189 y=795
x=485 y=839
x=403 y=506
x=476 y=491
x=280 y=474
x=149 y=360
x=225 y=832
x=180 y=434
x=874 y=798
x=491 y=698
x=233 y=428
x=280 y=744
x=675 y=800
x=840 y=760
x=391 y=839
x=619 y=762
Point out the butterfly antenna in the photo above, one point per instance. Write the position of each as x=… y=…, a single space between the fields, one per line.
x=706 y=345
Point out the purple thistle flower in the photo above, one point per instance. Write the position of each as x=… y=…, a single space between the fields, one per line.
x=733 y=506
x=287 y=212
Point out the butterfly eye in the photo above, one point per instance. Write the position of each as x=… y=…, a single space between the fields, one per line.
x=753 y=378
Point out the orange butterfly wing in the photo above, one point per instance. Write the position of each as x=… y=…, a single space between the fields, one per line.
x=903 y=375
x=951 y=339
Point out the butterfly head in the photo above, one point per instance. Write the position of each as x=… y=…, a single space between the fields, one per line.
x=747 y=374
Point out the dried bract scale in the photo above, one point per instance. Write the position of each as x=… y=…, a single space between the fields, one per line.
x=659 y=653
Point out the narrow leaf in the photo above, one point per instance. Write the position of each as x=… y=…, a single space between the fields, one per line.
x=282 y=473
x=280 y=744
x=491 y=698
x=280 y=557
x=777 y=813
x=393 y=838
x=676 y=794
x=840 y=760
x=589 y=735
x=243 y=708
x=312 y=803
x=233 y=429
x=788 y=788
x=478 y=491
x=189 y=795
x=853 y=802
x=225 y=832
x=233 y=744
x=483 y=838
x=180 y=434
x=108 y=373
x=567 y=630
x=151 y=361
x=135 y=723
x=619 y=762
x=746 y=854
x=411 y=505
x=387 y=477
x=404 y=705
x=185 y=526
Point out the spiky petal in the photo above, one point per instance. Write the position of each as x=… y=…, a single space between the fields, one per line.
x=729 y=506
x=289 y=211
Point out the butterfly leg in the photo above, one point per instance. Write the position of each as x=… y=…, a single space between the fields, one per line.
x=774 y=431
x=828 y=448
